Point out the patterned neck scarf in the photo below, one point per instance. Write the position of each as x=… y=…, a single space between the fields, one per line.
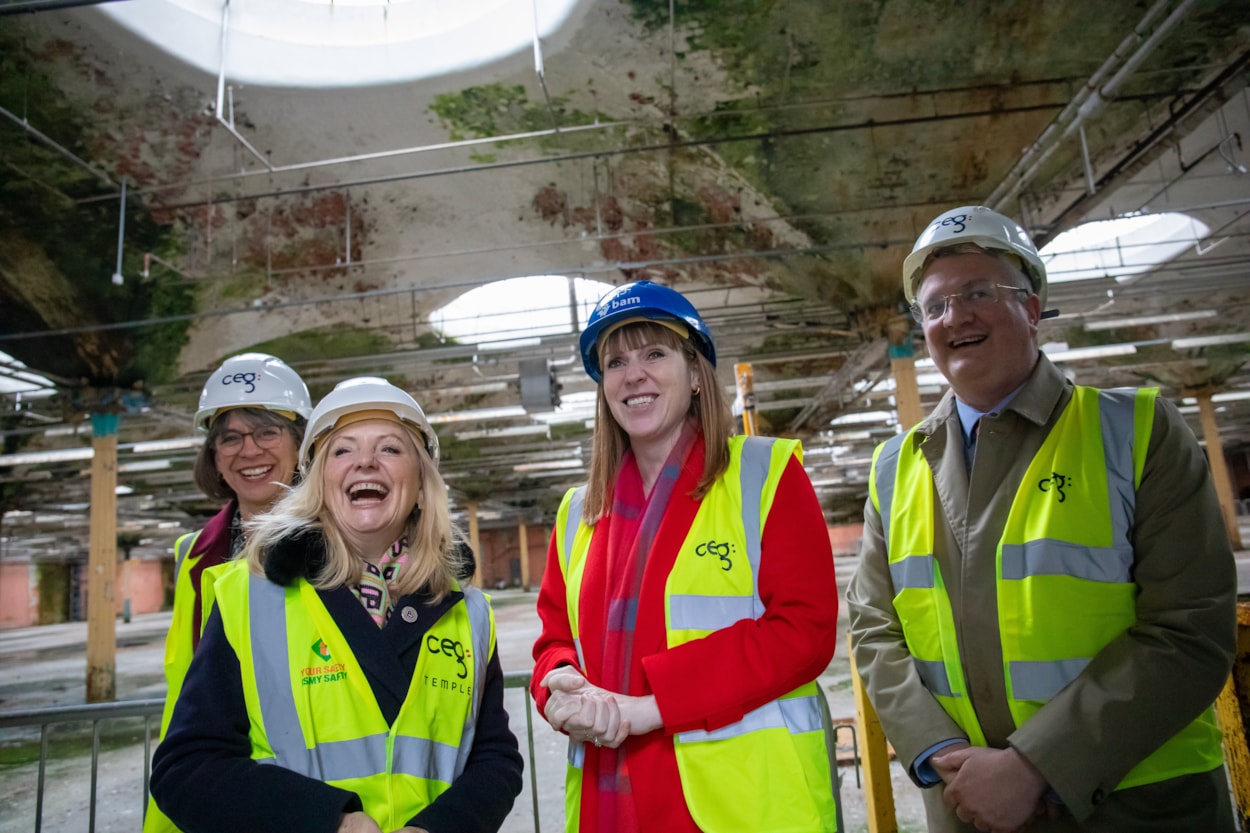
x=636 y=518
x=238 y=539
x=377 y=582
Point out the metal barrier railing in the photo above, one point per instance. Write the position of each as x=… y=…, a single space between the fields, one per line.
x=96 y=713
x=150 y=710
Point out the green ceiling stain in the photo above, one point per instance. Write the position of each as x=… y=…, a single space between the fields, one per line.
x=61 y=253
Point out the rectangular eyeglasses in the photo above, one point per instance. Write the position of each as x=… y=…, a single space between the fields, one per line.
x=231 y=442
x=974 y=296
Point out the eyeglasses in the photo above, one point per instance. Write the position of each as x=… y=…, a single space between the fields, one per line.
x=974 y=296
x=231 y=442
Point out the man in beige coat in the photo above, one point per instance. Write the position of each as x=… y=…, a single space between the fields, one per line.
x=1034 y=672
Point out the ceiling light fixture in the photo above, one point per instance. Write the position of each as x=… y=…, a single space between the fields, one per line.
x=1146 y=320
x=1077 y=354
x=1209 y=341
x=1227 y=396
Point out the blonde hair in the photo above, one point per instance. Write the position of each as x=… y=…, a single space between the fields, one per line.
x=708 y=409
x=432 y=562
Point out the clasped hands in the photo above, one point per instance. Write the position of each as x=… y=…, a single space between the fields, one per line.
x=359 y=822
x=994 y=790
x=591 y=714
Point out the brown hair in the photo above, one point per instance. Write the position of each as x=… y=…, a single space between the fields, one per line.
x=207 y=477
x=708 y=409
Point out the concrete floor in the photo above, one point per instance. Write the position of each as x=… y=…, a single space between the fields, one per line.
x=46 y=666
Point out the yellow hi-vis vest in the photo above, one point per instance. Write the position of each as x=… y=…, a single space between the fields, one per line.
x=311 y=709
x=1064 y=574
x=769 y=771
x=178 y=650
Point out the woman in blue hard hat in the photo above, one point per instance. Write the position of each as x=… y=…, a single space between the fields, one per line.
x=253 y=409
x=346 y=681
x=689 y=601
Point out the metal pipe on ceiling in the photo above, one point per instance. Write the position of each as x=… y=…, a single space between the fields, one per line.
x=485 y=167
x=56 y=146
x=219 y=112
x=1197 y=107
x=1089 y=101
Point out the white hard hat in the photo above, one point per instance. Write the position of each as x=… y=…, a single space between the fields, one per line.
x=983 y=226
x=364 y=393
x=253 y=380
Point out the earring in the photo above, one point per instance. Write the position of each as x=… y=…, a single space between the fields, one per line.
x=697 y=390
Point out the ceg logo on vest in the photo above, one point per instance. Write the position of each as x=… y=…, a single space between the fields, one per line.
x=328 y=672
x=452 y=654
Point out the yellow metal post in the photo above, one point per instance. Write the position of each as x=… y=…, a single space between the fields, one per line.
x=1219 y=469
x=875 y=757
x=102 y=562
x=523 y=535
x=746 y=393
x=476 y=543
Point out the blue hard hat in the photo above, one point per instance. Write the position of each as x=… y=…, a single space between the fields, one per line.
x=642 y=299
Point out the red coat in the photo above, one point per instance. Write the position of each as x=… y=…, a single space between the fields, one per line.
x=714 y=681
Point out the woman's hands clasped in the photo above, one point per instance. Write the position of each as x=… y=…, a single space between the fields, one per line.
x=590 y=714
x=359 y=822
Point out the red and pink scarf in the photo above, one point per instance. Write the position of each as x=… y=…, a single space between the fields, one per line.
x=636 y=518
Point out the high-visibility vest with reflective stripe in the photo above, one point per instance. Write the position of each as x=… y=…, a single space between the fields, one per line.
x=312 y=710
x=1064 y=583
x=786 y=784
x=178 y=650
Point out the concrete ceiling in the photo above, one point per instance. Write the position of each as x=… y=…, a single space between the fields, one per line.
x=775 y=160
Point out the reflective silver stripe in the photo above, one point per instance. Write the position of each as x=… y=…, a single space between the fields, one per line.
x=887 y=473
x=479 y=624
x=355 y=757
x=571 y=521
x=1115 y=412
x=577 y=754
x=933 y=675
x=341 y=759
x=270 y=664
x=1048 y=557
x=334 y=760
x=708 y=613
x=915 y=572
x=753 y=469
x=795 y=714
x=1042 y=680
x=182 y=548
x=424 y=758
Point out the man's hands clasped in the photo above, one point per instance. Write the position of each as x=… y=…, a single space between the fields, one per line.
x=995 y=790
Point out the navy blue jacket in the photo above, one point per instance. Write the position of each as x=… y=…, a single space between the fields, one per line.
x=203 y=776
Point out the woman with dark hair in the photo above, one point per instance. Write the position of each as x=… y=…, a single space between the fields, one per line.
x=253 y=409
x=689 y=601
x=346 y=680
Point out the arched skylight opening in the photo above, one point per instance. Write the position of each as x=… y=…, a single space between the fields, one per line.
x=519 y=311
x=1122 y=248
x=340 y=43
